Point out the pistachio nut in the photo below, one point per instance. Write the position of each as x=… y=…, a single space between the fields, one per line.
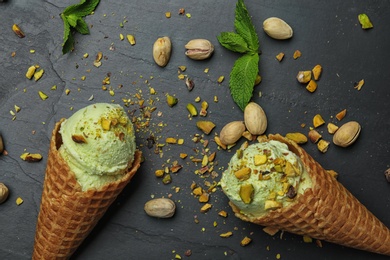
x=277 y=29
x=3 y=192
x=199 y=49
x=231 y=132
x=347 y=134
x=255 y=119
x=160 y=208
x=162 y=48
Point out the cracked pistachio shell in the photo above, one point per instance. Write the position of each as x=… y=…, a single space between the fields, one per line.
x=255 y=119
x=199 y=49
x=162 y=48
x=278 y=29
x=347 y=134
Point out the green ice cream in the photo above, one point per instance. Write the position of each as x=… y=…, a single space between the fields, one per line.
x=98 y=144
x=264 y=176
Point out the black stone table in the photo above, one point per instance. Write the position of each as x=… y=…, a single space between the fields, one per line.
x=326 y=33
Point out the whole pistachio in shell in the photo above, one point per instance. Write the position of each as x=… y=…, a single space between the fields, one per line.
x=231 y=132
x=160 y=208
x=278 y=29
x=347 y=134
x=255 y=119
x=162 y=48
x=199 y=49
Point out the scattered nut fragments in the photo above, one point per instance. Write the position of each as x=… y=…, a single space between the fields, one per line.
x=311 y=86
x=255 y=119
x=347 y=134
x=199 y=49
x=192 y=109
x=280 y=56
x=232 y=132
x=323 y=146
x=277 y=29
x=359 y=85
x=160 y=208
x=304 y=76
x=162 y=51
x=317 y=70
x=205 y=126
x=171 y=100
x=340 y=115
x=332 y=128
x=387 y=175
x=245 y=241
x=130 y=39
x=30 y=72
x=318 y=121
x=31 y=157
x=365 y=21
x=299 y=138
x=18 y=31
x=297 y=54
x=4 y=192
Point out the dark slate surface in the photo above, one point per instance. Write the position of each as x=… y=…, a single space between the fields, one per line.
x=327 y=33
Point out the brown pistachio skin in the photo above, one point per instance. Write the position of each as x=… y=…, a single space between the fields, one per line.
x=199 y=49
x=162 y=48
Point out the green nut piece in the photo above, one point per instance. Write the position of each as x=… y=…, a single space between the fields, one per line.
x=192 y=109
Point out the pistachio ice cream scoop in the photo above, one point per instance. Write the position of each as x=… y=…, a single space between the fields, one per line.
x=264 y=176
x=98 y=144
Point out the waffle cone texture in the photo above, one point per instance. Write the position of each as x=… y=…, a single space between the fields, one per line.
x=68 y=214
x=326 y=211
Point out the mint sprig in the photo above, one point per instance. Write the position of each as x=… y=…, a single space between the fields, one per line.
x=73 y=20
x=246 y=68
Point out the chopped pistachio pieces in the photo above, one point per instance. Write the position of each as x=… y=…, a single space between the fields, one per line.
x=227 y=234
x=38 y=74
x=245 y=241
x=318 y=121
x=19 y=201
x=130 y=39
x=365 y=21
x=30 y=72
x=42 y=95
x=359 y=84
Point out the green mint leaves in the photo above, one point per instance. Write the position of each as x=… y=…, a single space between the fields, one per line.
x=246 y=68
x=72 y=17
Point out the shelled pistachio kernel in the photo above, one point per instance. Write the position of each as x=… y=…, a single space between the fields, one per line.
x=243 y=174
x=246 y=193
x=260 y=159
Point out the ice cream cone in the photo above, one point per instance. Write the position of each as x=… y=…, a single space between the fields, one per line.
x=326 y=211
x=68 y=214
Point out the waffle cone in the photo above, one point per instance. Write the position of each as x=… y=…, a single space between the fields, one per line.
x=68 y=214
x=326 y=211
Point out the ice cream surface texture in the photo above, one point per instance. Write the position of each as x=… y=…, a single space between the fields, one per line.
x=264 y=176
x=98 y=144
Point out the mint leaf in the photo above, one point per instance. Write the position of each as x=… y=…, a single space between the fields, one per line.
x=82 y=26
x=233 y=41
x=68 y=40
x=246 y=68
x=84 y=8
x=242 y=78
x=73 y=20
x=244 y=27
